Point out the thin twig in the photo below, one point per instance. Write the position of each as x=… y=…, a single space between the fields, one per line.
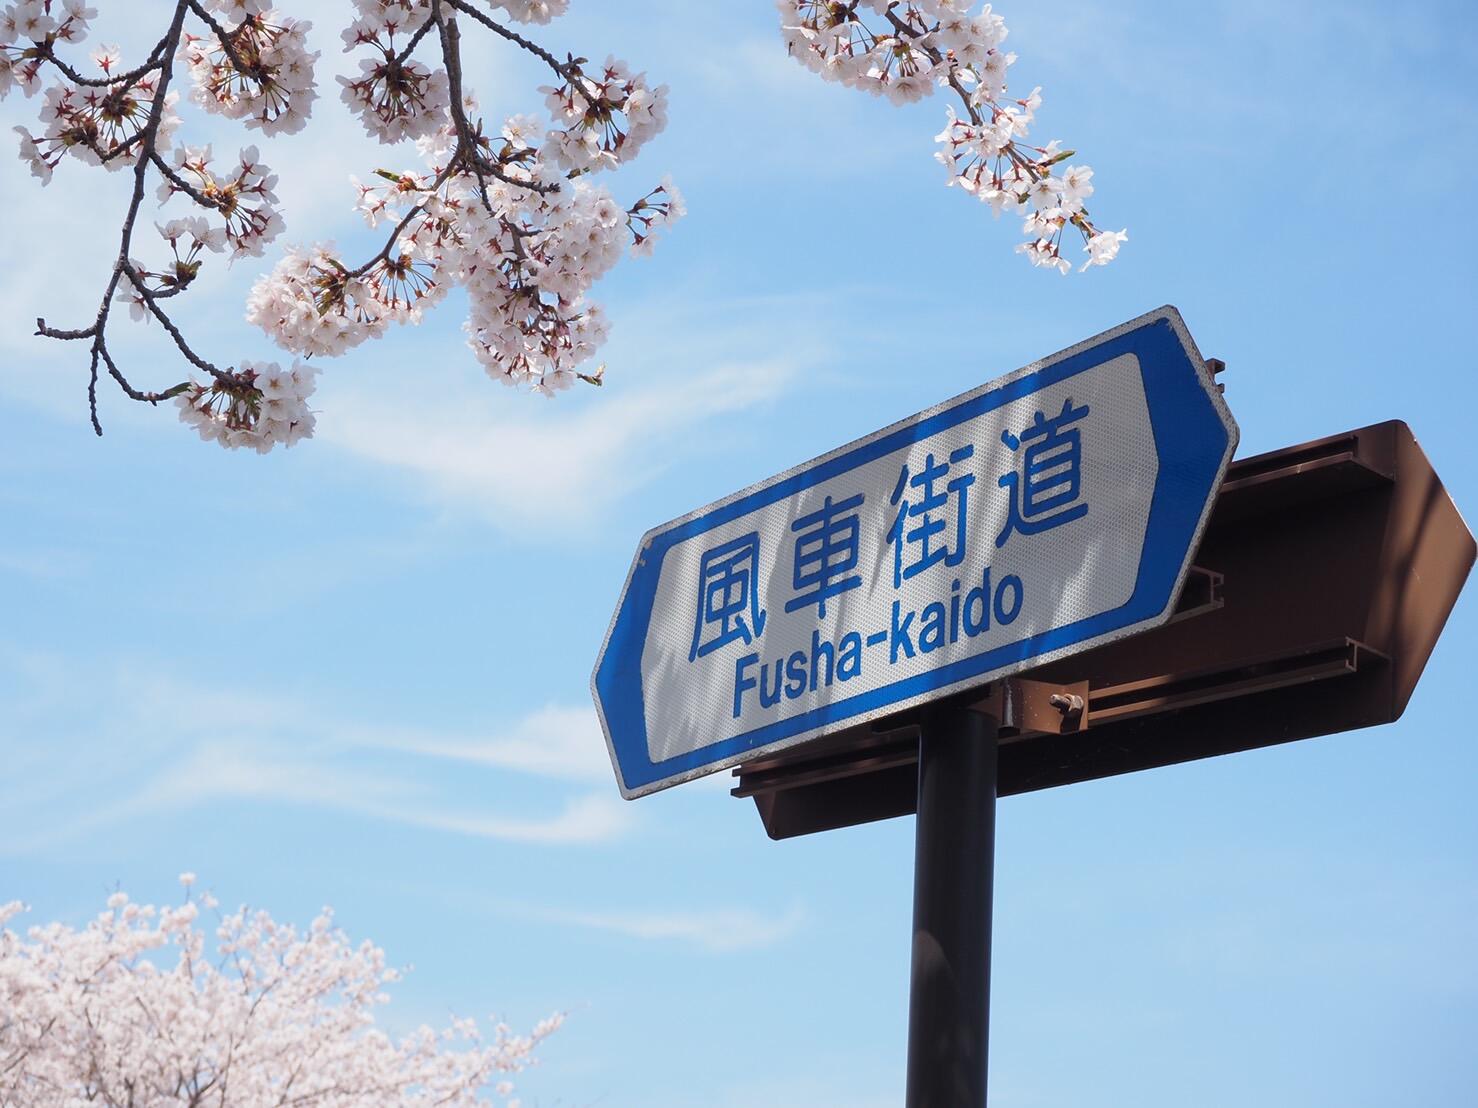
x=133 y=393
x=154 y=62
x=451 y=52
x=404 y=222
x=118 y=151
x=405 y=53
x=471 y=155
x=180 y=183
x=157 y=312
x=565 y=69
x=146 y=139
x=224 y=37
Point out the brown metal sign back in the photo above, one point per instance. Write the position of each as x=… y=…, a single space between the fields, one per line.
x=1322 y=582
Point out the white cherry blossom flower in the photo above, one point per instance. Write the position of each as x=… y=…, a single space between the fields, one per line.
x=1077 y=185
x=1102 y=248
x=259 y=406
x=32 y=154
x=534 y=11
x=276 y=91
x=312 y=304
x=107 y=58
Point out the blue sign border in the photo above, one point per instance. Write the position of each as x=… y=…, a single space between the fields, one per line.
x=1194 y=436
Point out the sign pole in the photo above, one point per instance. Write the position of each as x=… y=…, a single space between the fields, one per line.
x=954 y=870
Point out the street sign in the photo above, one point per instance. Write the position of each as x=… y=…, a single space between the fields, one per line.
x=1258 y=653
x=1047 y=512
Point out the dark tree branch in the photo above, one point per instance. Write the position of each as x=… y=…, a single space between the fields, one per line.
x=149 y=298
x=405 y=221
x=566 y=70
x=451 y=52
x=224 y=37
x=180 y=183
x=133 y=393
x=146 y=139
x=405 y=53
x=118 y=151
x=48 y=51
x=471 y=155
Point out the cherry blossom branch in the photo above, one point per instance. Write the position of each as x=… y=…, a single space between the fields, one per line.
x=451 y=54
x=469 y=142
x=94 y=116
x=923 y=44
x=123 y=148
x=146 y=142
x=513 y=215
x=150 y=300
x=225 y=38
x=431 y=242
x=405 y=221
x=568 y=70
x=48 y=51
x=935 y=55
x=180 y=184
x=415 y=40
x=133 y=393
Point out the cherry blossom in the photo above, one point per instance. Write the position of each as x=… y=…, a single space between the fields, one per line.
x=242 y=197
x=255 y=67
x=311 y=304
x=653 y=214
x=395 y=96
x=906 y=49
x=135 y=1008
x=98 y=126
x=1104 y=247
x=603 y=118
x=515 y=213
x=510 y=215
x=533 y=11
x=265 y=406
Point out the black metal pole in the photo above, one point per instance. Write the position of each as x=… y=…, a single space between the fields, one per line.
x=954 y=869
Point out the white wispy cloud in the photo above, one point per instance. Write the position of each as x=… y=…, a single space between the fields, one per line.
x=215 y=771
x=89 y=745
x=717 y=930
x=559 y=465
x=589 y=818
x=42 y=562
x=559 y=741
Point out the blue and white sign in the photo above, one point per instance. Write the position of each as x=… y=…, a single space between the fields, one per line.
x=1040 y=515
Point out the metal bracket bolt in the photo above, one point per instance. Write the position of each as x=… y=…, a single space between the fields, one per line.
x=1069 y=704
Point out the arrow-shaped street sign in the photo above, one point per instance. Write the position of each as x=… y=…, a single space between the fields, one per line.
x=1045 y=513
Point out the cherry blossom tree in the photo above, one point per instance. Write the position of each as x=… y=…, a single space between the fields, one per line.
x=512 y=212
x=130 y=1012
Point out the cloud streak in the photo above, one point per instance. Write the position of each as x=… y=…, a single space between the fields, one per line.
x=562 y=465
x=213 y=772
x=557 y=741
x=93 y=745
x=716 y=931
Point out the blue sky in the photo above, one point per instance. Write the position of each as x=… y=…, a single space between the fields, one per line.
x=356 y=673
